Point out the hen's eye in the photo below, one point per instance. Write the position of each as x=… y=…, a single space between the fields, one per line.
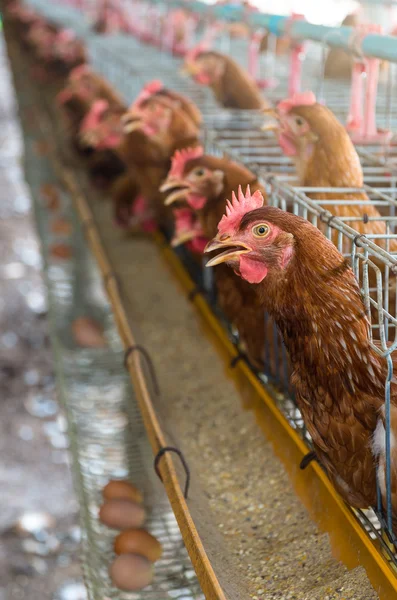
x=261 y=230
x=199 y=172
x=299 y=121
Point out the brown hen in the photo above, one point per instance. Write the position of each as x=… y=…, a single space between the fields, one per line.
x=159 y=122
x=202 y=182
x=232 y=85
x=310 y=290
x=83 y=87
x=101 y=133
x=325 y=156
x=339 y=63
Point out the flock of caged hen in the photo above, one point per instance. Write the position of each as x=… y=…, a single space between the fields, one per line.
x=150 y=158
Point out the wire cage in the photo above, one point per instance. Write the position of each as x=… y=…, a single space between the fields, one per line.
x=236 y=134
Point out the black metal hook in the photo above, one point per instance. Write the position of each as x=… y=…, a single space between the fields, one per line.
x=357 y=237
x=149 y=364
x=193 y=292
x=307 y=459
x=161 y=453
x=327 y=219
x=236 y=359
x=331 y=218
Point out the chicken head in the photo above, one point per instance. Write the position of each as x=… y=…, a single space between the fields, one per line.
x=251 y=244
x=206 y=67
x=191 y=179
x=188 y=231
x=317 y=141
x=101 y=128
x=159 y=118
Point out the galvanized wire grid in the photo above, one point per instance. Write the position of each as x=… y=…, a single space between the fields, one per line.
x=236 y=133
x=105 y=428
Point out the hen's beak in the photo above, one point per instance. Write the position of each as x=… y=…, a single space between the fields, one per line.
x=182 y=238
x=127 y=117
x=232 y=250
x=274 y=124
x=131 y=121
x=270 y=112
x=177 y=188
x=88 y=138
x=189 y=69
x=270 y=126
x=132 y=125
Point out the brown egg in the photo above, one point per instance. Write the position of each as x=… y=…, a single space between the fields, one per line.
x=42 y=147
x=130 y=572
x=88 y=333
x=61 y=226
x=50 y=195
x=122 y=514
x=117 y=488
x=61 y=251
x=138 y=541
x=30 y=114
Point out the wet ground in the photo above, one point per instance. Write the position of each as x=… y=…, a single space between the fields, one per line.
x=36 y=488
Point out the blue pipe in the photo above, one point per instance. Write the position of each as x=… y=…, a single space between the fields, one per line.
x=374 y=45
x=228 y=12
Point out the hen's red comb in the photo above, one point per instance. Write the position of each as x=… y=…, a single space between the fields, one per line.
x=181 y=157
x=238 y=207
x=298 y=99
x=195 y=52
x=78 y=72
x=148 y=90
x=65 y=35
x=91 y=120
x=178 y=17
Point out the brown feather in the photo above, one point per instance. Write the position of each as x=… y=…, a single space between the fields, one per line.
x=76 y=108
x=334 y=162
x=338 y=378
x=338 y=64
x=149 y=161
x=234 y=88
x=236 y=298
